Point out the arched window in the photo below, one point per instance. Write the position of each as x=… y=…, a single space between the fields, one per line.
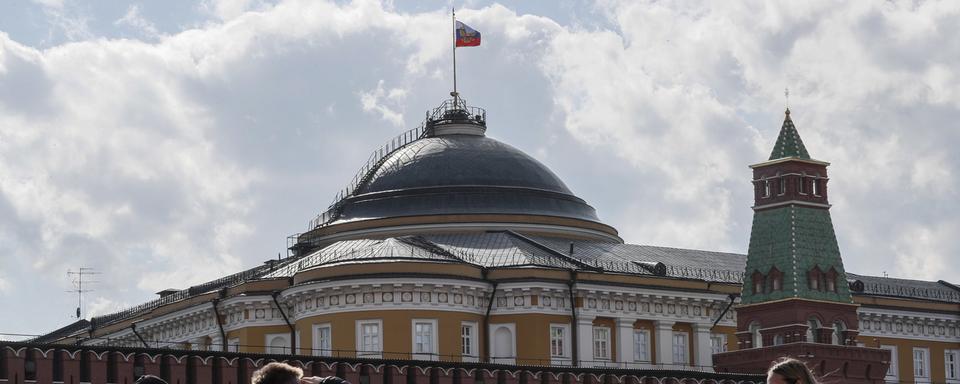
x=831 y=280
x=838 y=328
x=778 y=339
x=814 y=278
x=766 y=187
x=757 y=279
x=815 y=185
x=812 y=326
x=783 y=183
x=802 y=187
x=755 y=334
x=776 y=280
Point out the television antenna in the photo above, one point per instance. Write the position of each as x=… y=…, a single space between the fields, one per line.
x=78 y=280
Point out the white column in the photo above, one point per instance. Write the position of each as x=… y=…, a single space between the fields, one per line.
x=664 y=347
x=625 y=342
x=702 y=347
x=216 y=343
x=197 y=344
x=585 y=340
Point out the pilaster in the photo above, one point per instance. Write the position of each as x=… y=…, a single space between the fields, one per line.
x=625 y=341
x=664 y=342
x=703 y=354
x=585 y=340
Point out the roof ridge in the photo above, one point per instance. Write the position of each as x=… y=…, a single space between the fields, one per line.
x=949 y=285
x=554 y=252
x=686 y=249
x=429 y=246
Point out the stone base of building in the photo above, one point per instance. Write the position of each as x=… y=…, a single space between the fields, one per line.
x=834 y=363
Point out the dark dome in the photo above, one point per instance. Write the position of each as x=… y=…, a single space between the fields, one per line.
x=462 y=174
x=461 y=160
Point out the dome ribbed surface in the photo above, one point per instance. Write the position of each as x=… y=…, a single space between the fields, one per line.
x=461 y=160
x=462 y=174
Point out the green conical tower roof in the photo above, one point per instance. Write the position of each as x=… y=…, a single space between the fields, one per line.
x=794 y=239
x=789 y=143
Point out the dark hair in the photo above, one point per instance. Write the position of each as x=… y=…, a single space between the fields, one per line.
x=277 y=373
x=150 y=379
x=793 y=371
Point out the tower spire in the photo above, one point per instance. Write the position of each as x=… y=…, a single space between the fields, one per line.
x=788 y=142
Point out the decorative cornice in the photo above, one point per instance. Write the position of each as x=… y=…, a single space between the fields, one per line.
x=791 y=202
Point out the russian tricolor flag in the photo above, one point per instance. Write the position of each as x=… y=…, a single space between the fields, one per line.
x=466 y=36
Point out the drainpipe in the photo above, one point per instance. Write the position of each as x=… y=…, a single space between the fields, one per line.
x=575 y=355
x=293 y=331
x=133 y=327
x=223 y=335
x=733 y=296
x=486 y=317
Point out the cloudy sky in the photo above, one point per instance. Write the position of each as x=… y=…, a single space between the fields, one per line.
x=168 y=143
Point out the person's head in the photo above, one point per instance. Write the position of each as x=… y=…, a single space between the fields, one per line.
x=277 y=373
x=150 y=379
x=790 y=371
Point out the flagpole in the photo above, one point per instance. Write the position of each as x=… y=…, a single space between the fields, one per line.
x=456 y=96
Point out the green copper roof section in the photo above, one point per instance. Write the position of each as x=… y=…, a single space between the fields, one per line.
x=789 y=143
x=794 y=239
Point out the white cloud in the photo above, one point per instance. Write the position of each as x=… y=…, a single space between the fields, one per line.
x=102 y=305
x=167 y=162
x=228 y=9
x=924 y=251
x=380 y=100
x=5 y=287
x=134 y=19
x=694 y=92
x=56 y=4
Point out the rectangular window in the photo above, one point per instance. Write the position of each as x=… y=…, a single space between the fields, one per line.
x=802 y=187
x=424 y=339
x=893 y=373
x=322 y=340
x=369 y=342
x=951 y=359
x=680 y=348
x=557 y=336
x=920 y=369
x=423 y=335
x=466 y=339
x=815 y=186
x=233 y=345
x=641 y=345
x=718 y=343
x=766 y=187
x=601 y=343
x=783 y=185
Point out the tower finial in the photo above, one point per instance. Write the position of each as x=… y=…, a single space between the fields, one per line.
x=786 y=97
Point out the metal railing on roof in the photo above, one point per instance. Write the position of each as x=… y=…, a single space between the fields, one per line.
x=916 y=292
x=450 y=111
x=195 y=290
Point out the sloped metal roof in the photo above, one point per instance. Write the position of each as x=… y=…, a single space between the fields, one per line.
x=511 y=249
x=904 y=288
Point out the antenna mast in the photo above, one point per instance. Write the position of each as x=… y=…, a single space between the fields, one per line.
x=78 y=277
